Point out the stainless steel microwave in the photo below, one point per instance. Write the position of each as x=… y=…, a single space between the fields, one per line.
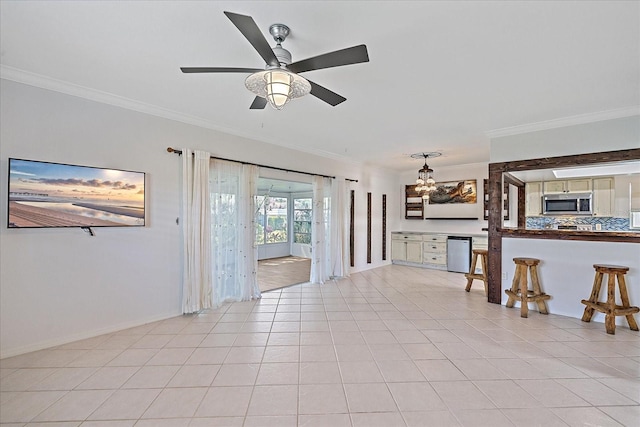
x=567 y=204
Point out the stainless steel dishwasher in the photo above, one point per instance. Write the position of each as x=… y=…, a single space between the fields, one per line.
x=458 y=254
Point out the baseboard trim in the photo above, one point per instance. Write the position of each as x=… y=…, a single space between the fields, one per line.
x=42 y=345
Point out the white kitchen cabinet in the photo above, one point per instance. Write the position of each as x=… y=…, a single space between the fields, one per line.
x=579 y=185
x=435 y=238
x=480 y=242
x=424 y=249
x=533 y=202
x=414 y=251
x=434 y=250
x=567 y=186
x=555 y=187
x=634 y=191
x=398 y=250
x=603 y=196
x=406 y=247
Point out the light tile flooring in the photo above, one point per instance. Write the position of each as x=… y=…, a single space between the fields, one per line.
x=276 y=273
x=393 y=346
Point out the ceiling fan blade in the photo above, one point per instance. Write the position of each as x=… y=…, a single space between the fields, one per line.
x=250 y=30
x=350 y=55
x=326 y=95
x=258 y=103
x=218 y=70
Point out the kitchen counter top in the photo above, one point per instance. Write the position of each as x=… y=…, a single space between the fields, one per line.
x=601 y=236
x=420 y=233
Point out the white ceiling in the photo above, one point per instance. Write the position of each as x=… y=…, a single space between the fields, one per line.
x=441 y=74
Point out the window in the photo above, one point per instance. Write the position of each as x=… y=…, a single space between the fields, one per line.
x=271 y=219
x=260 y=200
x=302 y=220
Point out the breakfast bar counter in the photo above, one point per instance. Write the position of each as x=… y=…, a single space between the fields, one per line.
x=566 y=267
x=593 y=236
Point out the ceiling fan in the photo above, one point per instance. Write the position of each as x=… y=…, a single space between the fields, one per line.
x=280 y=81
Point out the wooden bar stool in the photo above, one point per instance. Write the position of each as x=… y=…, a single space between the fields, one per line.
x=520 y=291
x=610 y=308
x=482 y=253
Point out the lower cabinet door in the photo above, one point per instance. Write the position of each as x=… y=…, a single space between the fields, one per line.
x=398 y=250
x=414 y=251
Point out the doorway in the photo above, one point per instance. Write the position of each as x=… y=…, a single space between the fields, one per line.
x=283 y=233
x=276 y=273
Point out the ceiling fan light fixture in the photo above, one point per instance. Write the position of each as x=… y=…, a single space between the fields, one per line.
x=278 y=86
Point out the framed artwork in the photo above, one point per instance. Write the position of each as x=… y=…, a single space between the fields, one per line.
x=46 y=194
x=454 y=192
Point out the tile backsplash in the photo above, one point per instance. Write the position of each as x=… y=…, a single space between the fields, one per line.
x=552 y=222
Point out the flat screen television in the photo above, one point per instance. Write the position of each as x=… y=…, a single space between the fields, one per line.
x=45 y=194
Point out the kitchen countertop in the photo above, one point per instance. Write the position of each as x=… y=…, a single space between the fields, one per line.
x=480 y=234
x=598 y=236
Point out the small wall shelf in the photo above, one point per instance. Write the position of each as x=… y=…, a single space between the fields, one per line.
x=485 y=199
x=413 y=204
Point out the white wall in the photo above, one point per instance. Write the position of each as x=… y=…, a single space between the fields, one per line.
x=566 y=271
x=59 y=285
x=566 y=268
x=477 y=171
x=606 y=135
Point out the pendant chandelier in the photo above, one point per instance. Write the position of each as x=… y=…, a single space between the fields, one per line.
x=425 y=183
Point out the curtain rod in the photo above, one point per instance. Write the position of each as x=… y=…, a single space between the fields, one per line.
x=179 y=152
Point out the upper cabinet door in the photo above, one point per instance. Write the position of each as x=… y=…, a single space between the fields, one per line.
x=579 y=185
x=555 y=187
x=603 y=197
x=533 y=202
x=568 y=186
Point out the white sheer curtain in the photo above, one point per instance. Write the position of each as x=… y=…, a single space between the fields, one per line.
x=234 y=254
x=196 y=214
x=339 y=244
x=321 y=263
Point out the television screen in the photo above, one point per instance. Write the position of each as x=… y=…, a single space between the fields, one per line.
x=44 y=194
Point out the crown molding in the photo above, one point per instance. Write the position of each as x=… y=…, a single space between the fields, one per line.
x=49 y=83
x=566 y=121
x=44 y=82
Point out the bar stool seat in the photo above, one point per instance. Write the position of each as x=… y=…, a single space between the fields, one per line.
x=519 y=288
x=609 y=307
x=482 y=253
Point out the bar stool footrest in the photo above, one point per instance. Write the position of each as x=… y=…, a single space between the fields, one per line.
x=530 y=295
x=603 y=307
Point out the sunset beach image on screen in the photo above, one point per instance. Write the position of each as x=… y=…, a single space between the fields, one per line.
x=44 y=194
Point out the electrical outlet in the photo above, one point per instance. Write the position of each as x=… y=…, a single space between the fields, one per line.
x=505 y=275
